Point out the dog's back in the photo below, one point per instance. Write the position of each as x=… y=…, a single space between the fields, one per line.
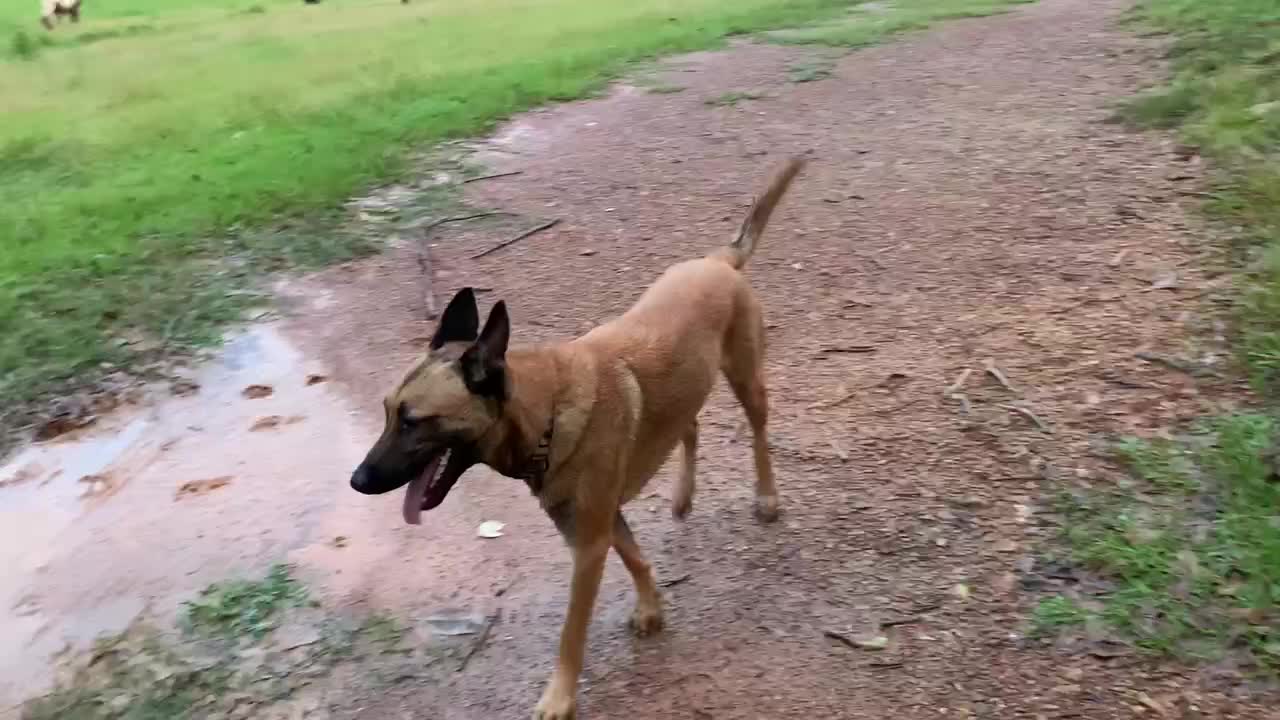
x=698 y=319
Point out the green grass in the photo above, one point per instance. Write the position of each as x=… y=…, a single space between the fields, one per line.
x=244 y=607
x=873 y=22
x=138 y=146
x=1224 y=98
x=811 y=71
x=132 y=676
x=1054 y=613
x=729 y=99
x=236 y=662
x=1195 y=567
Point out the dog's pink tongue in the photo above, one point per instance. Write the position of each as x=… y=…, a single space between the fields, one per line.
x=416 y=493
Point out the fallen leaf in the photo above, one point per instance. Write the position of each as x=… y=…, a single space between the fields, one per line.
x=1151 y=704
x=490 y=529
x=873 y=642
x=961 y=591
x=1165 y=281
x=1006 y=546
x=200 y=487
x=257 y=392
x=99 y=484
x=270 y=422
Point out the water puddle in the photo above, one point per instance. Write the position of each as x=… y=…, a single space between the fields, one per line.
x=154 y=503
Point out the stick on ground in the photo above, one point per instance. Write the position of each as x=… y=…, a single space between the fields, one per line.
x=428 y=287
x=493 y=176
x=427 y=226
x=516 y=239
x=480 y=641
x=1035 y=419
x=999 y=375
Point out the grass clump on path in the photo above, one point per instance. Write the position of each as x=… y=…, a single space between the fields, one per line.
x=141 y=146
x=244 y=607
x=1190 y=555
x=246 y=648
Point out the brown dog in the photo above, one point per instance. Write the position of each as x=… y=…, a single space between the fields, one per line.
x=588 y=422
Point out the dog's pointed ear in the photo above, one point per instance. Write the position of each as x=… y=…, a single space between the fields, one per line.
x=484 y=364
x=460 y=321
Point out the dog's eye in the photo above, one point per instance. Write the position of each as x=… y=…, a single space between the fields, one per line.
x=413 y=423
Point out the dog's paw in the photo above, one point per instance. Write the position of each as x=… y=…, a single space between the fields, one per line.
x=681 y=507
x=767 y=508
x=646 y=621
x=555 y=705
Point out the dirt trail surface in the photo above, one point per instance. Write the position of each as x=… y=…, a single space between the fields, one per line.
x=966 y=203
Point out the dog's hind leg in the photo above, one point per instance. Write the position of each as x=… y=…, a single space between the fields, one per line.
x=647 y=617
x=682 y=503
x=744 y=369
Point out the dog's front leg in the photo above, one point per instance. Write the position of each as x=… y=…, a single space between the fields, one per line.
x=589 y=539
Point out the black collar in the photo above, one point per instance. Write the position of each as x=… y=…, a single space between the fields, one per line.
x=534 y=470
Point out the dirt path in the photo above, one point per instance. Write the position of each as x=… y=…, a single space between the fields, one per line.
x=967 y=202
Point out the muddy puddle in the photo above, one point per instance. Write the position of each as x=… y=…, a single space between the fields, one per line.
x=140 y=511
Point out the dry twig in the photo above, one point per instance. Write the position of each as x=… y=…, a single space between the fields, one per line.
x=493 y=176
x=480 y=641
x=427 y=227
x=1190 y=368
x=996 y=373
x=1035 y=419
x=516 y=239
x=852 y=349
x=953 y=391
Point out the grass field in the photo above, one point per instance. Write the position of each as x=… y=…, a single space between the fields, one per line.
x=138 y=147
x=160 y=155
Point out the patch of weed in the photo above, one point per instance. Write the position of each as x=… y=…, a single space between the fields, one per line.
x=244 y=607
x=238 y=664
x=93 y=36
x=1195 y=566
x=730 y=99
x=1162 y=463
x=1056 y=612
x=383 y=631
x=131 y=676
x=809 y=72
x=667 y=89
x=22 y=46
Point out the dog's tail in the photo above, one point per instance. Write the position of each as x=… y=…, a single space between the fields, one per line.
x=742 y=247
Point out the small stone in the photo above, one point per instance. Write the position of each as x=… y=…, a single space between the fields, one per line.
x=1005 y=583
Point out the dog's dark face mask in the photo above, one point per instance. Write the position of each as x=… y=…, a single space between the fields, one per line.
x=441 y=408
